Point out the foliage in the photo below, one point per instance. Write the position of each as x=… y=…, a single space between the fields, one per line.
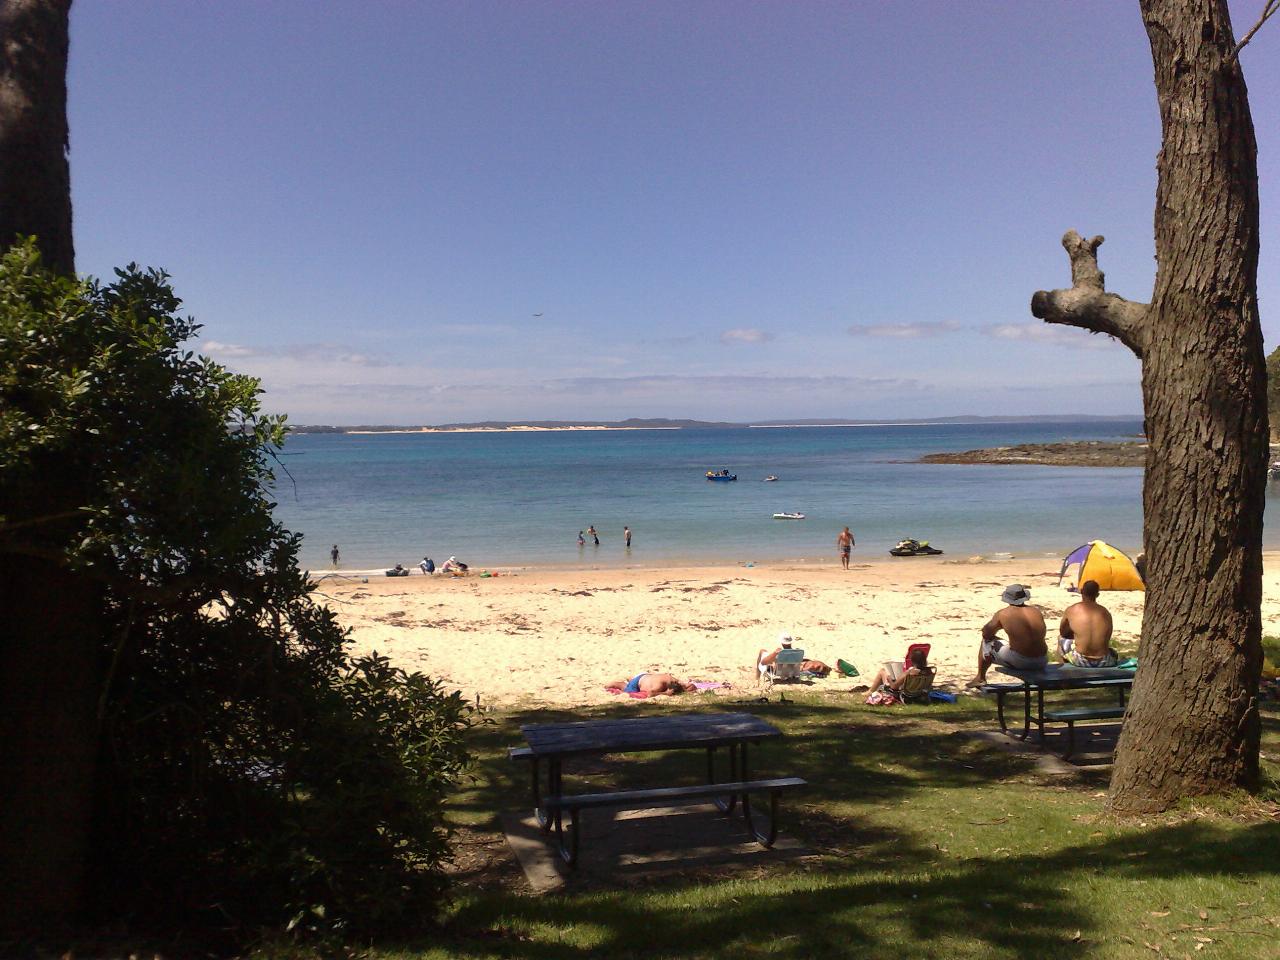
x=249 y=766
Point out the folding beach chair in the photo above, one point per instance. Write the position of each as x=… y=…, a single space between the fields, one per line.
x=916 y=686
x=785 y=666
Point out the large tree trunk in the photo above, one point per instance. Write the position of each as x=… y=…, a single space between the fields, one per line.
x=35 y=178
x=49 y=643
x=1192 y=726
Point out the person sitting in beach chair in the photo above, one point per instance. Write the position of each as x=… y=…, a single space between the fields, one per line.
x=651 y=684
x=397 y=571
x=787 y=662
x=906 y=681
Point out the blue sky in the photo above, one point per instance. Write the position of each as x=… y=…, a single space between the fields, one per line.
x=399 y=212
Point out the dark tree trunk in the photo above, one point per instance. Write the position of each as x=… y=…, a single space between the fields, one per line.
x=35 y=178
x=1193 y=726
x=49 y=643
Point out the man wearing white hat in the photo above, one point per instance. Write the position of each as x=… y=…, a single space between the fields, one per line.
x=1023 y=625
x=785 y=640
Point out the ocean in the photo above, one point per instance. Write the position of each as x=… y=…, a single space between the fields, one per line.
x=519 y=499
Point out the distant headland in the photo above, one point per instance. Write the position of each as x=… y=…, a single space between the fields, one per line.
x=662 y=423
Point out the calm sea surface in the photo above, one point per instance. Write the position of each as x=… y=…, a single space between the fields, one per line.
x=521 y=498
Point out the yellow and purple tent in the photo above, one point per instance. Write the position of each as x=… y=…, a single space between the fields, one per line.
x=1099 y=561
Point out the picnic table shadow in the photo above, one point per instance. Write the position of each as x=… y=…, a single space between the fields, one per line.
x=897 y=878
x=1009 y=903
x=842 y=754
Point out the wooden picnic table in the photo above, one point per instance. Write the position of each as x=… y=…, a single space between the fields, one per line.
x=1055 y=676
x=554 y=743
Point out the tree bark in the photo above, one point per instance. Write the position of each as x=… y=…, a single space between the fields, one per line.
x=49 y=645
x=1193 y=725
x=35 y=177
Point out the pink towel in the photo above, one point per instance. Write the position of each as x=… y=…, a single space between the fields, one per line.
x=638 y=695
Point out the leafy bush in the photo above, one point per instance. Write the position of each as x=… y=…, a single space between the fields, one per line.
x=250 y=770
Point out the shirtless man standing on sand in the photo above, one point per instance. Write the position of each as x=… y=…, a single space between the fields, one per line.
x=845 y=543
x=1084 y=636
x=1024 y=626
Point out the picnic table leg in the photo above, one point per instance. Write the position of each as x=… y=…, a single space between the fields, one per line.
x=1040 y=712
x=538 y=813
x=765 y=839
x=568 y=851
x=1004 y=726
x=553 y=789
x=723 y=804
x=1026 y=712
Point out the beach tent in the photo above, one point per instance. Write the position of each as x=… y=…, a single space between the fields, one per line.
x=1099 y=561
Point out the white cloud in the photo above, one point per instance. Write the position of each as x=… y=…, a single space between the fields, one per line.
x=226 y=351
x=303 y=352
x=1051 y=334
x=745 y=335
x=905 y=331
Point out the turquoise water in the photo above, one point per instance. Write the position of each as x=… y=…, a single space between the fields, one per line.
x=521 y=498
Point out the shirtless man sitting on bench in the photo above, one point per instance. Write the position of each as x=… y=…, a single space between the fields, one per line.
x=1023 y=625
x=1084 y=636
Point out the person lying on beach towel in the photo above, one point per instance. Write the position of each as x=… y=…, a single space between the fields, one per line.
x=650 y=685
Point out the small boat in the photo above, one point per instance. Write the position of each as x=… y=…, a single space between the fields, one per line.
x=771 y=479
x=788 y=516
x=724 y=476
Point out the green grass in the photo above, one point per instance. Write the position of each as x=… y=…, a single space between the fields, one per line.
x=931 y=843
x=1271 y=651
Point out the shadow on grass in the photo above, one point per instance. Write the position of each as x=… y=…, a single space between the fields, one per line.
x=1022 y=904
x=877 y=887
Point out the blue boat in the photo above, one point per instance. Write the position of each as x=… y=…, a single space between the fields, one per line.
x=724 y=476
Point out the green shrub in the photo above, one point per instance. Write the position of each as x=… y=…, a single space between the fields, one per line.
x=251 y=772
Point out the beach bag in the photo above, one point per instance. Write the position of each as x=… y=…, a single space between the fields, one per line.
x=882 y=698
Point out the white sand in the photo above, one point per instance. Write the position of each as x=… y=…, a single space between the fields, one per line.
x=557 y=636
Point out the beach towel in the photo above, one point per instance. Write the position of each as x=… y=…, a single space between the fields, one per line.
x=702 y=686
x=633 y=694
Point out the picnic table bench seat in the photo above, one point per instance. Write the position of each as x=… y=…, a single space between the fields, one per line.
x=1080 y=714
x=1059 y=678
x=641 y=799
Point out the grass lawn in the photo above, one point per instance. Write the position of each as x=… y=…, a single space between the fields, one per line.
x=927 y=843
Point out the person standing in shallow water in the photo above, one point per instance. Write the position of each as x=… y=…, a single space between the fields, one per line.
x=335 y=556
x=594 y=536
x=626 y=537
x=845 y=542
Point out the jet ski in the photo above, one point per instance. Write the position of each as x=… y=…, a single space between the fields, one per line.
x=914 y=548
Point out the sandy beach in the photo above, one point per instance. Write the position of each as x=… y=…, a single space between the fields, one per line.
x=557 y=636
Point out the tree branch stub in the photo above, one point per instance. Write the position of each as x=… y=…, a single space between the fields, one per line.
x=1087 y=304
